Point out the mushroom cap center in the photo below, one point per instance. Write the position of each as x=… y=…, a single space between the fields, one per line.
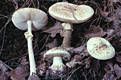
x=57 y=52
x=100 y=48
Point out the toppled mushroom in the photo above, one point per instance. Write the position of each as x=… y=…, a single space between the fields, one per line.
x=100 y=48
x=70 y=13
x=57 y=54
x=29 y=19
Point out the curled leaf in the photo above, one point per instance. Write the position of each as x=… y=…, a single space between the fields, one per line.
x=74 y=61
x=95 y=32
x=57 y=28
x=117 y=70
x=19 y=73
x=33 y=77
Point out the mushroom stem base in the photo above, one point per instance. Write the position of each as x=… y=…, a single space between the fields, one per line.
x=57 y=65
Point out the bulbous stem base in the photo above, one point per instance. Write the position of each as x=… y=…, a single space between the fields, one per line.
x=57 y=65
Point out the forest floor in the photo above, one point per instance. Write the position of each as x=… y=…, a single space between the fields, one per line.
x=106 y=23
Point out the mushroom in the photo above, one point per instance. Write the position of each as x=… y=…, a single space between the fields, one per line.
x=100 y=48
x=29 y=19
x=57 y=54
x=70 y=13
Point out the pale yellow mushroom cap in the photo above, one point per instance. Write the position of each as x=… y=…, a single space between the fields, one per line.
x=71 y=13
x=100 y=48
x=37 y=17
x=57 y=52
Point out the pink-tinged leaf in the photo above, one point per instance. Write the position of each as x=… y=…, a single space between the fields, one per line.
x=117 y=70
x=34 y=77
x=118 y=59
x=95 y=32
x=109 y=76
x=19 y=73
x=3 y=71
x=57 y=28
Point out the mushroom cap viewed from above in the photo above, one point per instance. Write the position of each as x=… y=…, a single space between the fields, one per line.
x=100 y=48
x=71 y=13
x=57 y=52
x=38 y=18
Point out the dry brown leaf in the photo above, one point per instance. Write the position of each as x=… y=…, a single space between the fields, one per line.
x=109 y=76
x=34 y=77
x=109 y=72
x=117 y=22
x=3 y=71
x=3 y=67
x=117 y=70
x=19 y=73
x=95 y=32
x=52 y=44
x=78 y=49
x=4 y=76
x=57 y=28
x=109 y=33
x=109 y=67
x=118 y=59
x=74 y=61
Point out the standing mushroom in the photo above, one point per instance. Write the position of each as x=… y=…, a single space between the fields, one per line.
x=70 y=13
x=29 y=19
x=57 y=54
x=100 y=48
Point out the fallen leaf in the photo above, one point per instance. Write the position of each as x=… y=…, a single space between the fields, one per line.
x=109 y=67
x=33 y=77
x=109 y=72
x=118 y=59
x=19 y=73
x=87 y=62
x=109 y=76
x=76 y=60
x=115 y=1
x=4 y=76
x=3 y=71
x=52 y=44
x=117 y=22
x=78 y=49
x=117 y=70
x=95 y=31
x=3 y=67
x=57 y=28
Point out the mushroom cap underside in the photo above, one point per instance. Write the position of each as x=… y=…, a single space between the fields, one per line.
x=71 y=13
x=57 y=52
x=37 y=17
x=100 y=48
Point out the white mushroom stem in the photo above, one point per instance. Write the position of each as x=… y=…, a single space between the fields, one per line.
x=67 y=35
x=28 y=36
x=57 y=64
